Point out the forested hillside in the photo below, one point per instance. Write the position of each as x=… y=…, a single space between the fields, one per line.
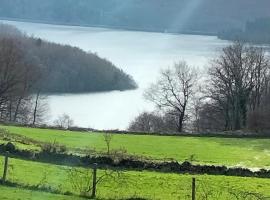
x=62 y=68
x=30 y=68
x=203 y=16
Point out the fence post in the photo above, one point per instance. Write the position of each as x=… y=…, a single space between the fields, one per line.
x=193 y=188
x=5 y=169
x=94 y=186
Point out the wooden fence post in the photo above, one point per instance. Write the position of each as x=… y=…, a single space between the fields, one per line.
x=5 y=169
x=94 y=186
x=193 y=188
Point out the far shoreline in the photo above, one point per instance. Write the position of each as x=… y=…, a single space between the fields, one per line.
x=122 y=28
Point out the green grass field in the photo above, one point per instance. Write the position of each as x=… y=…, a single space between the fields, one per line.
x=8 y=193
x=249 y=152
x=144 y=184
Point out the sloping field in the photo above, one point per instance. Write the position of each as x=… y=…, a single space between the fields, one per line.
x=245 y=152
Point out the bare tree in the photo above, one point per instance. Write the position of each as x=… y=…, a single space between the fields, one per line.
x=197 y=105
x=147 y=122
x=108 y=139
x=19 y=73
x=81 y=179
x=13 y=78
x=258 y=119
x=35 y=108
x=236 y=80
x=30 y=77
x=173 y=90
x=210 y=118
x=10 y=67
x=261 y=78
x=154 y=122
x=40 y=108
x=64 y=121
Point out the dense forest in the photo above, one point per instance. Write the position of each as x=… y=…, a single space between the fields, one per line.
x=71 y=70
x=256 y=31
x=66 y=69
x=202 y=16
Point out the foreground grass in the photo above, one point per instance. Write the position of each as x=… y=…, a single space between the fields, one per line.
x=246 y=152
x=126 y=184
x=8 y=193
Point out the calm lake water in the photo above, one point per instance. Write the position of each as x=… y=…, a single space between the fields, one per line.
x=140 y=54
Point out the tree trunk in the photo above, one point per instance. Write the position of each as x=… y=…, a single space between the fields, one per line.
x=17 y=109
x=10 y=110
x=180 y=122
x=35 y=109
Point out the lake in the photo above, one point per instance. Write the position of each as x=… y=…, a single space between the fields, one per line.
x=141 y=54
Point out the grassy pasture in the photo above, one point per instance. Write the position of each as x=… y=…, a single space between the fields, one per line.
x=144 y=184
x=247 y=152
x=8 y=193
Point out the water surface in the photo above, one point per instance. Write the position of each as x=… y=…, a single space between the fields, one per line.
x=141 y=54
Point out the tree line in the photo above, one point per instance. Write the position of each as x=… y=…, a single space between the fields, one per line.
x=30 y=68
x=233 y=95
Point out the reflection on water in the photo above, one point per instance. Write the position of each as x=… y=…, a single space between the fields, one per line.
x=140 y=54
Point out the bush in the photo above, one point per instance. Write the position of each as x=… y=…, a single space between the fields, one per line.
x=54 y=147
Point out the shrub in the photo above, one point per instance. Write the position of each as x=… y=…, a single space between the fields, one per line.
x=54 y=147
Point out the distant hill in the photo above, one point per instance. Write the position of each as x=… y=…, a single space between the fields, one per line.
x=255 y=31
x=195 y=16
x=67 y=69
